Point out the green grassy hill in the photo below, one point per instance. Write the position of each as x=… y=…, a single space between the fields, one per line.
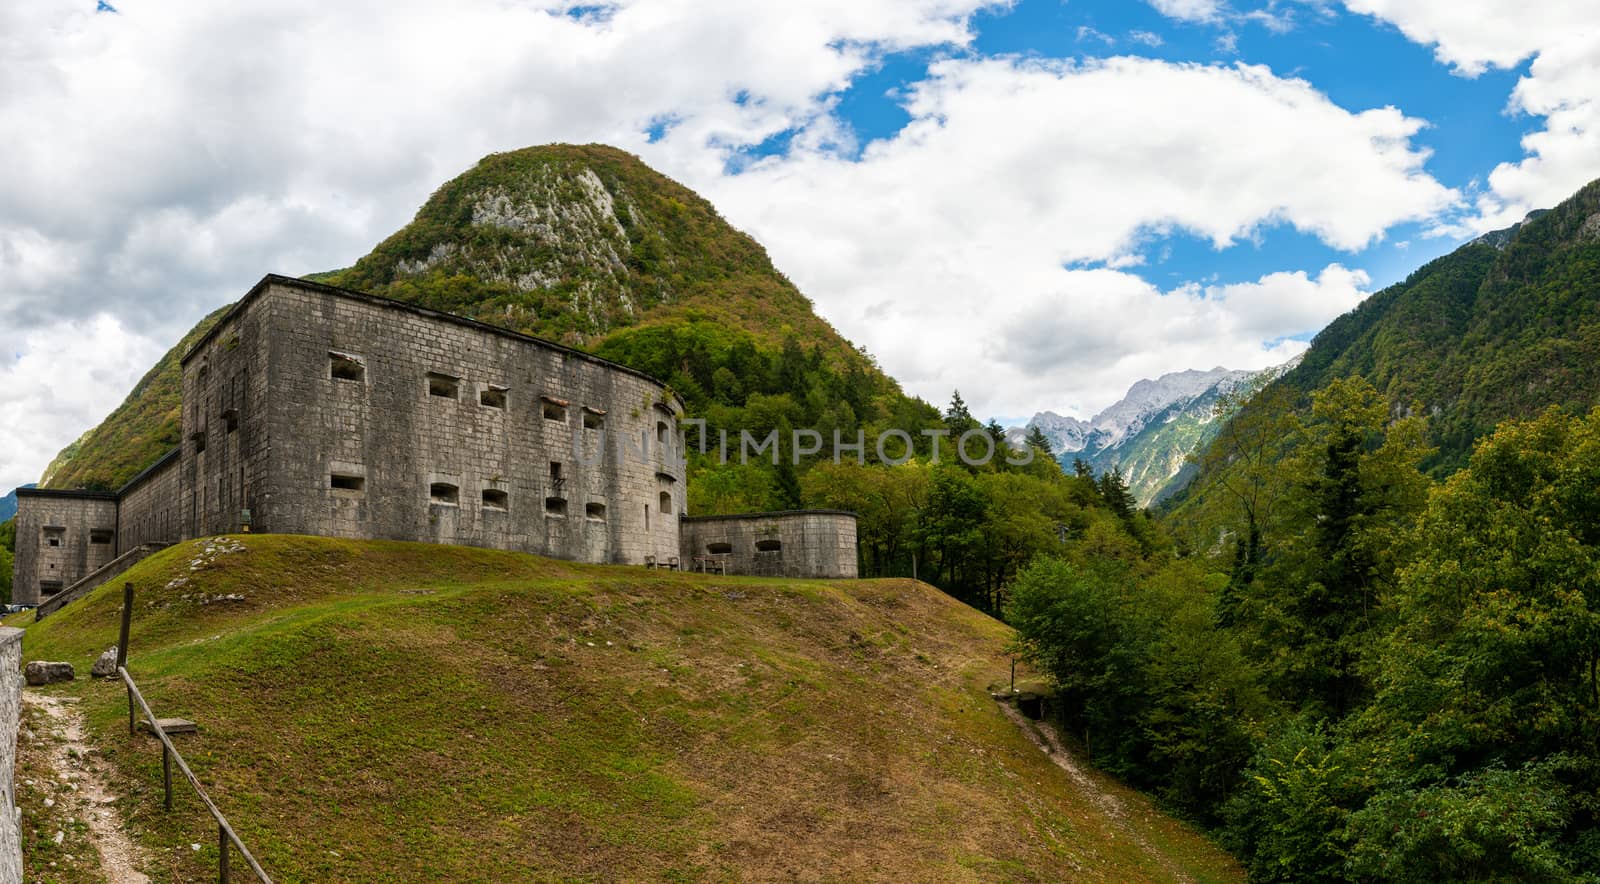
x=390 y=711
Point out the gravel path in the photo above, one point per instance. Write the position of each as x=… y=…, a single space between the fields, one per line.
x=74 y=762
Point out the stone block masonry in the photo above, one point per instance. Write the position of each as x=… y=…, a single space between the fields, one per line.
x=64 y=536
x=10 y=721
x=317 y=411
x=801 y=543
x=61 y=537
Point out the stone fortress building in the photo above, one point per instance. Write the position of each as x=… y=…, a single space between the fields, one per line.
x=309 y=409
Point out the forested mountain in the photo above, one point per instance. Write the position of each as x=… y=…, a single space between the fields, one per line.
x=1498 y=329
x=1501 y=328
x=588 y=246
x=8 y=505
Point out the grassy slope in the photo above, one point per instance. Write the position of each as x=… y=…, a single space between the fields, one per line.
x=393 y=711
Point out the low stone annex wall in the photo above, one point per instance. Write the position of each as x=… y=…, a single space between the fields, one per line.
x=799 y=543
x=10 y=718
x=61 y=537
x=149 y=510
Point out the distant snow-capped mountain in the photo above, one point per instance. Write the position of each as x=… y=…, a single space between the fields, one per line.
x=1150 y=432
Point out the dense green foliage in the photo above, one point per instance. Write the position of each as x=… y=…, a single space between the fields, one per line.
x=1371 y=678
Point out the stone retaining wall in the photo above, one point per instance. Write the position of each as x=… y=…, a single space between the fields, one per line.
x=10 y=718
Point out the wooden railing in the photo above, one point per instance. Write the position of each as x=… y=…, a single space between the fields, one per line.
x=170 y=755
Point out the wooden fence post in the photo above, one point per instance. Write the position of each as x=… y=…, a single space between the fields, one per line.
x=122 y=644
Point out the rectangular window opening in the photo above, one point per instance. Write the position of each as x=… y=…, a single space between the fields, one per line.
x=199 y=441
x=555 y=506
x=596 y=511
x=444 y=493
x=769 y=546
x=339 y=482
x=666 y=504
x=495 y=499
x=593 y=420
x=493 y=397
x=101 y=536
x=554 y=411
x=230 y=420
x=444 y=386
x=344 y=367
x=49 y=587
x=54 y=536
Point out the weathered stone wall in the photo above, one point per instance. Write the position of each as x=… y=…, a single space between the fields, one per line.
x=226 y=425
x=10 y=719
x=61 y=537
x=804 y=543
x=149 y=508
x=389 y=421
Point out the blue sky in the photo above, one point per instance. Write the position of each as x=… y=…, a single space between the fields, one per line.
x=1035 y=202
x=1359 y=62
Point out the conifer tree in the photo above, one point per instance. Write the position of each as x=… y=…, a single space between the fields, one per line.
x=1037 y=439
x=957 y=417
x=1114 y=491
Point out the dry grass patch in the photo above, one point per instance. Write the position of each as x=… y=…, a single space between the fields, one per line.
x=389 y=711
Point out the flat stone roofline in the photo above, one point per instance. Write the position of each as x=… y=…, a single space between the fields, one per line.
x=378 y=300
x=150 y=470
x=771 y=515
x=62 y=492
x=118 y=494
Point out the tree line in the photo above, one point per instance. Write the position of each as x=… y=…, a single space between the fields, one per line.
x=1349 y=671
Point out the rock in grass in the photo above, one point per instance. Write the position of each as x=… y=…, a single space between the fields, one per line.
x=106 y=666
x=41 y=672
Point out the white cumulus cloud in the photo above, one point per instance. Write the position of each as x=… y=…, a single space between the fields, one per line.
x=1015 y=178
x=1190 y=10
x=57 y=381
x=1562 y=86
